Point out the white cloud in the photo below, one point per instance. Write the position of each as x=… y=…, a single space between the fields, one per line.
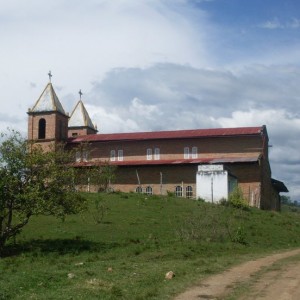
x=294 y=23
x=170 y=97
x=283 y=128
x=152 y=65
x=271 y=24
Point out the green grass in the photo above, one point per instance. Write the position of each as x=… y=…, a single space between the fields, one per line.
x=140 y=238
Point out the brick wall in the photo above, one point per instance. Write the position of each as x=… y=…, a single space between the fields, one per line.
x=80 y=131
x=174 y=149
x=55 y=130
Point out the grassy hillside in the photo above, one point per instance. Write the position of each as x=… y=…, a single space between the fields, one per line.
x=122 y=247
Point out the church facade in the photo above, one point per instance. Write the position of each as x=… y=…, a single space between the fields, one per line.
x=200 y=163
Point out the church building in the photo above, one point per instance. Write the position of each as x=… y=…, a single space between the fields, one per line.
x=199 y=163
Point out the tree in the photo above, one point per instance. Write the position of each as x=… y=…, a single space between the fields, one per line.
x=33 y=182
x=102 y=176
x=285 y=199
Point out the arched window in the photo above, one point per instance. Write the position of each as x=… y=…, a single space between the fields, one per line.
x=194 y=152
x=113 y=155
x=42 y=129
x=186 y=153
x=156 y=153
x=120 y=155
x=149 y=190
x=189 y=191
x=139 y=190
x=149 y=154
x=178 y=191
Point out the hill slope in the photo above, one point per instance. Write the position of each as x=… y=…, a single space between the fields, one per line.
x=124 y=244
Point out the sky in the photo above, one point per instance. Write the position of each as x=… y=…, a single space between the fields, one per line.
x=146 y=65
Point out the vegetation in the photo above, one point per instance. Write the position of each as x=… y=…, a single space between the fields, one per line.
x=125 y=252
x=288 y=205
x=33 y=182
x=236 y=199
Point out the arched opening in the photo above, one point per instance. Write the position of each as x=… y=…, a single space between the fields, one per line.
x=139 y=190
x=189 y=191
x=42 y=129
x=178 y=191
x=149 y=190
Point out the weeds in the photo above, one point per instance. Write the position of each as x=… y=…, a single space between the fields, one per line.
x=140 y=241
x=100 y=210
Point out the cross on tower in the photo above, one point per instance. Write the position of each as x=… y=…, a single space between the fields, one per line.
x=80 y=93
x=50 y=75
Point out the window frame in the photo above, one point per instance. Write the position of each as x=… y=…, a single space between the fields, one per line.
x=189 y=191
x=112 y=156
x=194 y=152
x=120 y=155
x=178 y=191
x=139 y=190
x=156 y=153
x=149 y=190
x=149 y=154
x=78 y=156
x=186 y=152
x=85 y=155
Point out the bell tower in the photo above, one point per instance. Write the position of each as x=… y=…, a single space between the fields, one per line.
x=47 y=120
x=80 y=122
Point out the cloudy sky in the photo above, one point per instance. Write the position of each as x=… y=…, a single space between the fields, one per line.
x=160 y=65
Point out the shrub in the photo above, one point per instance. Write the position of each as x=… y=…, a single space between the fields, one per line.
x=237 y=200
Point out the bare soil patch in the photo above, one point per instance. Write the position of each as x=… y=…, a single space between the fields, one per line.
x=273 y=285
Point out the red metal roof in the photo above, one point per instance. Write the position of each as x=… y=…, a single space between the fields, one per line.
x=205 y=160
x=155 y=135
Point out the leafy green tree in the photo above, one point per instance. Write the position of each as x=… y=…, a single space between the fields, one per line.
x=33 y=182
x=102 y=176
x=285 y=199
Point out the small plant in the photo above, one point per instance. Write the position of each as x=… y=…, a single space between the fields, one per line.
x=240 y=236
x=170 y=194
x=223 y=201
x=237 y=200
x=101 y=209
x=200 y=199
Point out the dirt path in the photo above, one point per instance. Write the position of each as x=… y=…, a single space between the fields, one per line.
x=284 y=284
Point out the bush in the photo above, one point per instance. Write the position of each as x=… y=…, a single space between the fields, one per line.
x=237 y=200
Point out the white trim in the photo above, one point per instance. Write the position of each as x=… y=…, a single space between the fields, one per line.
x=149 y=154
x=156 y=154
x=186 y=153
x=189 y=191
x=112 y=155
x=178 y=191
x=120 y=155
x=78 y=156
x=194 y=152
x=85 y=155
x=149 y=190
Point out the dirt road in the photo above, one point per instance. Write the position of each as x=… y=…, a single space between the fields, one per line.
x=282 y=283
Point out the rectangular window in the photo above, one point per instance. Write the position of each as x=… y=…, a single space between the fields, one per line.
x=149 y=154
x=120 y=155
x=194 y=152
x=84 y=156
x=156 y=153
x=78 y=156
x=112 y=155
x=186 y=154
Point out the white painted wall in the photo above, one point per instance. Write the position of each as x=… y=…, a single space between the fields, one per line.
x=212 y=184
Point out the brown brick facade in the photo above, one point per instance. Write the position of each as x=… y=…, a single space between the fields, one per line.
x=160 y=162
x=55 y=128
